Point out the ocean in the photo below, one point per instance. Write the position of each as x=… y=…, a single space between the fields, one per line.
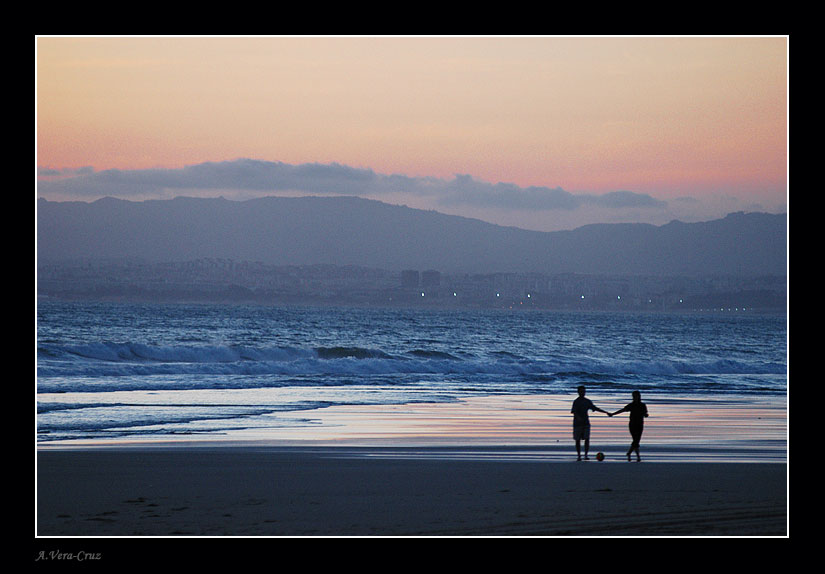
x=121 y=372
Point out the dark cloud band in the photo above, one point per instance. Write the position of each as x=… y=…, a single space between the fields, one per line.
x=265 y=176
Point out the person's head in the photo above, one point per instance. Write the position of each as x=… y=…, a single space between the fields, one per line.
x=637 y=396
x=581 y=390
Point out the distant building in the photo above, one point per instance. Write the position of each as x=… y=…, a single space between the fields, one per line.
x=430 y=279
x=410 y=279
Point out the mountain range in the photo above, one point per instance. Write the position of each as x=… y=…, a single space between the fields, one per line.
x=369 y=233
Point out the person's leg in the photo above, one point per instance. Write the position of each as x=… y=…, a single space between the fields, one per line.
x=577 y=436
x=636 y=433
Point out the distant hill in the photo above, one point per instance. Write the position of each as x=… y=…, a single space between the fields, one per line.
x=354 y=231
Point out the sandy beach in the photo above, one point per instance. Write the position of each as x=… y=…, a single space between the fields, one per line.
x=496 y=466
x=397 y=492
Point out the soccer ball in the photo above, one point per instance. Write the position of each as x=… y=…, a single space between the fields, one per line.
x=600 y=456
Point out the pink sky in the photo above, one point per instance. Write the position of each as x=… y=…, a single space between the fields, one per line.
x=704 y=118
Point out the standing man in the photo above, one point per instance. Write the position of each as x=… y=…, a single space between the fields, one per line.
x=581 y=421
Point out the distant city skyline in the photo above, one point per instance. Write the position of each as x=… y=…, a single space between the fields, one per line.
x=541 y=133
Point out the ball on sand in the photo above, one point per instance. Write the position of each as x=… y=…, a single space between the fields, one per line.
x=600 y=456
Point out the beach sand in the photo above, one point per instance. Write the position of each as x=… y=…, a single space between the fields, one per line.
x=495 y=466
x=417 y=492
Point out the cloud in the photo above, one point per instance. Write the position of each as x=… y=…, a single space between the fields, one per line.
x=621 y=199
x=468 y=191
x=52 y=172
x=257 y=176
x=241 y=175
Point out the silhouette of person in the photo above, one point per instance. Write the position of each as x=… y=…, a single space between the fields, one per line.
x=581 y=421
x=638 y=412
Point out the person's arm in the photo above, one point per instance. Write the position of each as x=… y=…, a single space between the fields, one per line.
x=621 y=410
x=595 y=408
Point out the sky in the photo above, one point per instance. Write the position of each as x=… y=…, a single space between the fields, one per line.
x=542 y=133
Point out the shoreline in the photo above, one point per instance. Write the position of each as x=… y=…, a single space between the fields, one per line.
x=656 y=454
x=706 y=429
x=498 y=466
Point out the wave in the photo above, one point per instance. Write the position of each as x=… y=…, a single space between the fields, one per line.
x=349 y=352
x=138 y=359
x=132 y=352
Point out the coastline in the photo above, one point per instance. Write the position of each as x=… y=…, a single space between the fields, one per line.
x=498 y=466
x=733 y=428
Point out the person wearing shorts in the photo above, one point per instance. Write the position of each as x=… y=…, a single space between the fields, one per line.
x=581 y=421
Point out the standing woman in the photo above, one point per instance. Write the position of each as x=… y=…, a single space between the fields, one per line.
x=638 y=412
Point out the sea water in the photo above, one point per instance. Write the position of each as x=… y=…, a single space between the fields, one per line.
x=116 y=371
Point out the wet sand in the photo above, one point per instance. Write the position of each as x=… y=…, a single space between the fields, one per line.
x=494 y=466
